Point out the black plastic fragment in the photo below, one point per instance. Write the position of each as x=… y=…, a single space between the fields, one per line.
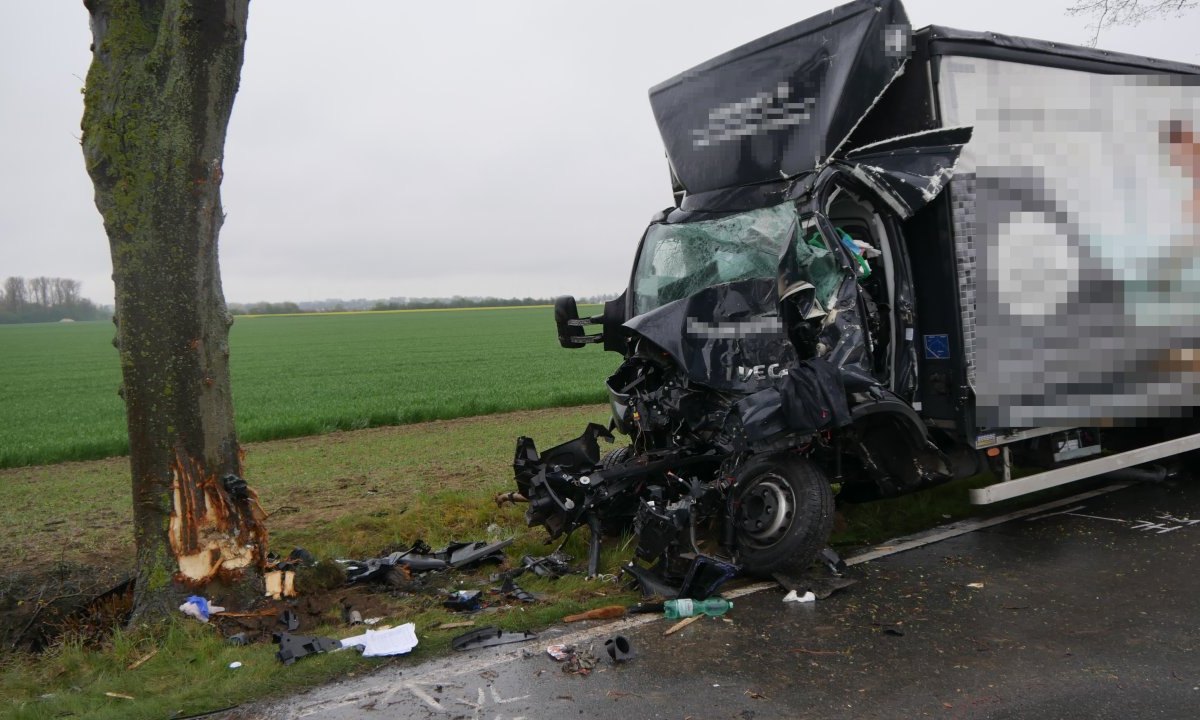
x=421 y=558
x=513 y=590
x=834 y=562
x=460 y=554
x=294 y=647
x=554 y=565
x=289 y=619
x=235 y=486
x=618 y=648
x=651 y=584
x=819 y=585
x=421 y=563
x=489 y=636
x=705 y=576
x=373 y=569
x=464 y=601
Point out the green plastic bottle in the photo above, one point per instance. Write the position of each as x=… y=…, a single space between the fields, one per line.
x=684 y=607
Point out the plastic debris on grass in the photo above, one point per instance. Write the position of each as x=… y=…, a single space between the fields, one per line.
x=199 y=608
x=385 y=641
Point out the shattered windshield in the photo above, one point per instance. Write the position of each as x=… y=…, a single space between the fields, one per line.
x=679 y=260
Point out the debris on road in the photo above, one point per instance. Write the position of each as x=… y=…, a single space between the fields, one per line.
x=618 y=648
x=833 y=561
x=975 y=585
x=489 y=636
x=580 y=663
x=794 y=597
x=681 y=625
x=560 y=652
x=814 y=582
x=687 y=607
x=702 y=578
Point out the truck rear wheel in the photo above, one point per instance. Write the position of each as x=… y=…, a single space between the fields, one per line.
x=783 y=514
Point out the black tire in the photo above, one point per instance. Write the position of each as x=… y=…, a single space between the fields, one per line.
x=615 y=457
x=783 y=514
x=618 y=520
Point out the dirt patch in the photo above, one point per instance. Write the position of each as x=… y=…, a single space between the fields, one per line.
x=39 y=606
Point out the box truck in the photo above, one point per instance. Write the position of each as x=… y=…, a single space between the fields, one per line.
x=894 y=258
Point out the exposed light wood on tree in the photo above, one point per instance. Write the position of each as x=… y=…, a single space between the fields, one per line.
x=157 y=104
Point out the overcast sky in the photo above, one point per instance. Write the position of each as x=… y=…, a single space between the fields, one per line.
x=382 y=148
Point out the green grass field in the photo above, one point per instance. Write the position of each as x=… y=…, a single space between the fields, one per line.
x=300 y=375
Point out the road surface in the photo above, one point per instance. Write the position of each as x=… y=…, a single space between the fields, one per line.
x=1086 y=610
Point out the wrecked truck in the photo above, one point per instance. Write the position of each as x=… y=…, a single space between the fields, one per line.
x=894 y=258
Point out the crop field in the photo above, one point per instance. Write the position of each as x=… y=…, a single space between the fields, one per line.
x=300 y=375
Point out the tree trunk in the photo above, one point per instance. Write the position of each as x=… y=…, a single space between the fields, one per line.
x=159 y=94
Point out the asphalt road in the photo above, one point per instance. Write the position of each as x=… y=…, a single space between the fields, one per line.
x=1088 y=610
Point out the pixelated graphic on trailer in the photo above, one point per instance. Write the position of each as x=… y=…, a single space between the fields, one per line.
x=1077 y=213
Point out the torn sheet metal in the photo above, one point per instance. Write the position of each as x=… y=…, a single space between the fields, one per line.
x=728 y=336
x=908 y=172
x=778 y=106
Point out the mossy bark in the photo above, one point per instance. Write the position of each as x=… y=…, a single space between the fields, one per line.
x=157 y=103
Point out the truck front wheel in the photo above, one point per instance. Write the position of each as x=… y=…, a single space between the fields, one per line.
x=783 y=514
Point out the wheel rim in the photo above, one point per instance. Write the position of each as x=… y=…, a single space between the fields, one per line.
x=767 y=509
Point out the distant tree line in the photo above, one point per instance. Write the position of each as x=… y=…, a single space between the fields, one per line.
x=46 y=299
x=397 y=303
x=457 y=301
x=264 y=308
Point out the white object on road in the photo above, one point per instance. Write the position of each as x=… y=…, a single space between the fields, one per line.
x=807 y=597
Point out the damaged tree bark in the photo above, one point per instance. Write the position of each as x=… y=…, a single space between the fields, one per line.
x=159 y=94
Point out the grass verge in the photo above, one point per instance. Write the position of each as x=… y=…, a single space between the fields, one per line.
x=338 y=495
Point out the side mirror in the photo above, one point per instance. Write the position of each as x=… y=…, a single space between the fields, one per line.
x=566 y=318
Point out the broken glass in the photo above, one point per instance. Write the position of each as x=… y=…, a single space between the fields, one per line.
x=681 y=259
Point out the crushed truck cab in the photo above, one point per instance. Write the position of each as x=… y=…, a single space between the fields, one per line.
x=894 y=258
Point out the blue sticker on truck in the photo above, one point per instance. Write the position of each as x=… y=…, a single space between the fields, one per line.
x=937 y=347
